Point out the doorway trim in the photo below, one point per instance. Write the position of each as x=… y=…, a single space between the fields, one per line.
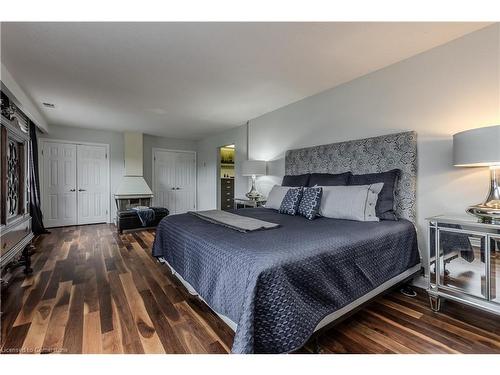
x=41 y=166
x=153 y=177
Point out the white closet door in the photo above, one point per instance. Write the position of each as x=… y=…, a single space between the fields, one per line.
x=185 y=177
x=92 y=178
x=59 y=179
x=174 y=184
x=164 y=184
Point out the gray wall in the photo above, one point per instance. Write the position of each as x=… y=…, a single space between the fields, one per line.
x=448 y=89
x=23 y=100
x=116 y=150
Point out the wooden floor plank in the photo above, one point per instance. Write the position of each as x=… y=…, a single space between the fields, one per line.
x=103 y=294
x=112 y=339
x=166 y=334
x=54 y=337
x=34 y=297
x=11 y=304
x=14 y=342
x=199 y=327
x=92 y=343
x=147 y=334
x=131 y=341
x=73 y=333
x=36 y=334
x=95 y=291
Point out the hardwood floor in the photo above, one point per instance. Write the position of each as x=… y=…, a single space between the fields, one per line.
x=94 y=291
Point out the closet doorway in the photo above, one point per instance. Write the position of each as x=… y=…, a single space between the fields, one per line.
x=74 y=180
x=174 y=180
x=226 y=158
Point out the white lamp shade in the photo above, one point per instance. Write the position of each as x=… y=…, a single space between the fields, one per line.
x=477 y=147
x=253 y=168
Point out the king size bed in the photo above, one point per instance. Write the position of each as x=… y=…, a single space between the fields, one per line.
x=276 y=287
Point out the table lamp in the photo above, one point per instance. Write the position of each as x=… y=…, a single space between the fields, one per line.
x=253 y=168
x=481 y=148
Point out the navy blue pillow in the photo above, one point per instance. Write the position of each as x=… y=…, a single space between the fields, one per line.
x=296 y=180
x=329 y=179
x=291 y=201
x=385 y=203
x=310 y=202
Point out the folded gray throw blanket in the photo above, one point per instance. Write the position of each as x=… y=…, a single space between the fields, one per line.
x=146 y=215
x=233 y=221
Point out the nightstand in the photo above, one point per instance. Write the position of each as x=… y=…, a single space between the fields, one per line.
x=464 y=262
x=245 y=203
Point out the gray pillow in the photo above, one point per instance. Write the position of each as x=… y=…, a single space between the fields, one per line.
x=276 y=196
x=350 y=202
x=385 y=204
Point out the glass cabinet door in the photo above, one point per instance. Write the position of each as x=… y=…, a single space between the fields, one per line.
x=462 y=262
x=495 y=269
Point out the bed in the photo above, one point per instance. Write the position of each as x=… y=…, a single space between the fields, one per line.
x=276 y=287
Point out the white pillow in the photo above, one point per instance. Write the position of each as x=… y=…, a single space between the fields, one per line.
x=276 y=196
x=352 y=202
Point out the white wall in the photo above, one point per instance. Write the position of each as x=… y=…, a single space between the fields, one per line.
x=207 y=165
x=24 y=101
x=450 y=88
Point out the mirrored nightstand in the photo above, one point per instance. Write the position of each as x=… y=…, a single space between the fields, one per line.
x=246 y=203
x=464 y=262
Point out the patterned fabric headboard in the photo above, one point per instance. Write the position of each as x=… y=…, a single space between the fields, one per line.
x=369 y=155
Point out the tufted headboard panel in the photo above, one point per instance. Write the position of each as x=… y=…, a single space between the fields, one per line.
x=369 y=155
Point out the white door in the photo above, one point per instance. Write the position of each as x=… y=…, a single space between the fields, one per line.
x=164 y=181
x=59 y=179
x=75 y=182
x=92 y=178
x=174 y=184
x=185 y=181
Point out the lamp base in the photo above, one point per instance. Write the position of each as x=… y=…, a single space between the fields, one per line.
x=253 y=194
x=485 y=214
x=489 y=211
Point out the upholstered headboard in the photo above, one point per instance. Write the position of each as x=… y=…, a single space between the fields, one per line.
x=369 y=155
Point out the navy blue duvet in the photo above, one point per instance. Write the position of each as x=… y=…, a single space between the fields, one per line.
x=278 y=284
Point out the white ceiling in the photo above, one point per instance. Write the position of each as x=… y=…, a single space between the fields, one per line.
x=188 y=80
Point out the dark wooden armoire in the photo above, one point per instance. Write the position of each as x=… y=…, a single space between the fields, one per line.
x=15 y=219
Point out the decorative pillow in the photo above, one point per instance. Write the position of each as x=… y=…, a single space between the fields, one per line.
x=350 y=202
x=385 y=203
x=296 y=180
x=290 y=204
x=329 y=179
x=275 y=197
x=309 y=204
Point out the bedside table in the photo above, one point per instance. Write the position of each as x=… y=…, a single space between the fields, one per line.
x=244 y=203
x=464 y=262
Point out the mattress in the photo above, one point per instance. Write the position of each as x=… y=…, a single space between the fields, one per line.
x=278 y=285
